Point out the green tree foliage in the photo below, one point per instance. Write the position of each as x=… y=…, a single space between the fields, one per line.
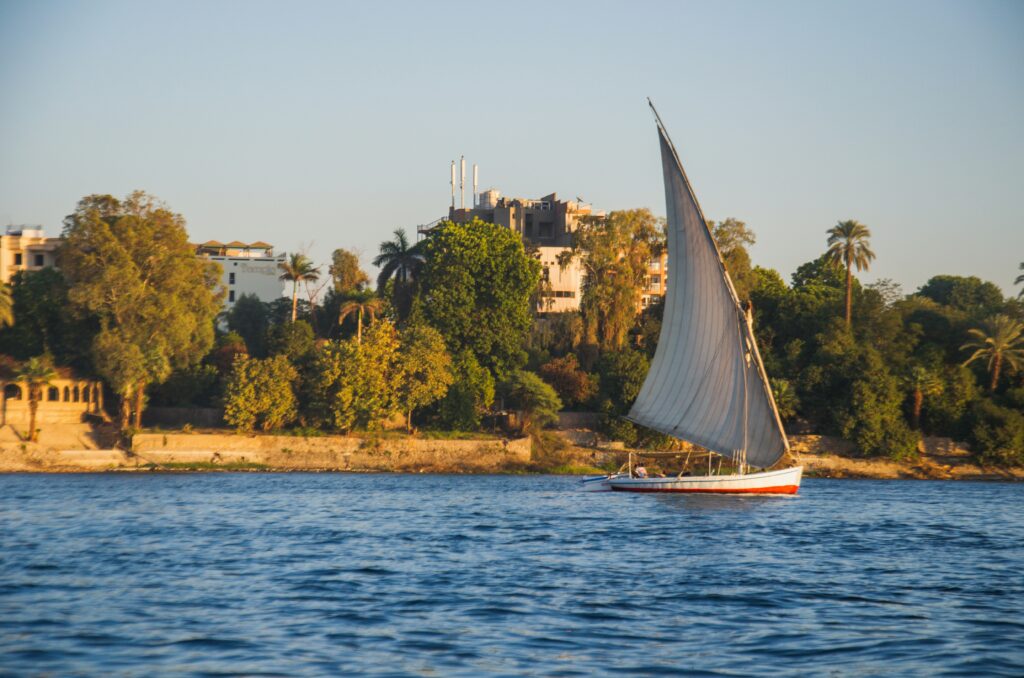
x=6 y=306
x=475 y=288
x=250 y=318
x=786 y=400
x=614 y=253
x=400 y=262
x=129 y=264
x=298 y=269
x=733 y=239
x=1000 y=341
x=44 y=324
x=36 y=372
x=573 y=385
x=354 y=385
x=222 y=357
x=470 y=396
x=944 y=413
x=359 y=303
x=195 y=386
x=424 y=369
x=996 y=434
x=975 y=297
x=346 y=272
x=260 y=393
x=535 y=400
x=921 y=383
x=294 y=340
x=848 y=244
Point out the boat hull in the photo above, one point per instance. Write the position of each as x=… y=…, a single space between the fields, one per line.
x=783 y=481
x=599 y=483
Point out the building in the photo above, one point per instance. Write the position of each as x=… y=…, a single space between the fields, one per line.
x=247 y=268
x=66 y=399
x=546 y=226
x=25 y=248
x=656 y=281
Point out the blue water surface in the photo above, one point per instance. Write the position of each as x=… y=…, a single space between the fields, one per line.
x=318 y=574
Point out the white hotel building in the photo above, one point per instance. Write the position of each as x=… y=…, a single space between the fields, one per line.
x=248 y=268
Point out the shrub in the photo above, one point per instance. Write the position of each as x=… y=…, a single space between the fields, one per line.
x=573 y=385
x=996 y=434
x=536 y=401
x=259 y=393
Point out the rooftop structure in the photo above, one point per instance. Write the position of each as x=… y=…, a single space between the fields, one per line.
x=26 y=248
x=247 y=268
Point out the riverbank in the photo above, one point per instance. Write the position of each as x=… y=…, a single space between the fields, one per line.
x=78 y=449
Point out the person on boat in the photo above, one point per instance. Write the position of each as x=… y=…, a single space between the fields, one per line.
x=640 y=471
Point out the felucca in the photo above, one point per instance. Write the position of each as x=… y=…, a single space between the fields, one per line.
x=707 y=384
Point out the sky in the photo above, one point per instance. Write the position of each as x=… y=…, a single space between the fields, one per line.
x=317 y=125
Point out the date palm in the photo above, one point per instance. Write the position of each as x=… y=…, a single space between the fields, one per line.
x=848 y=246
x=358 y=303
x=398 y=259
x=1000 y=341
x=6 y=306
x=298 y=269
x=1019 y=280
x=922 y=382
x=36 y=373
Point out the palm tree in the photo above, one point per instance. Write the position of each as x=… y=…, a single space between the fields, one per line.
x=298 y=269
x=398 y=259
x=848 y=245
x=36 y=373
x=359 y=302
x=6 y=306
x=1001 y=340
x=921 y=382
x=1019 y=280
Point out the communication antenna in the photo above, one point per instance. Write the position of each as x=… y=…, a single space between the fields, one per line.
x=476 y=182
x=462 y=183
x=453 y=184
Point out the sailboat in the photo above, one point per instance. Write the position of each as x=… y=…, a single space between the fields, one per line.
x=706 y=384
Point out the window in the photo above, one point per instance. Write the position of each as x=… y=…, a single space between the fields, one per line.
x=40 y=260
x=528 y=226
x=655 y=264
x=74 y=394
x=655 y=282
x=85 y=394
x=231 y=295
x=547 y=274
x=53 y=394
x=17 y=259
x=546 y=230
x=231 y=278
x=67 y=394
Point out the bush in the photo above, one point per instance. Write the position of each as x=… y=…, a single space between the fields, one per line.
x=537 y=402
x=573 y=385
x=469 y=396
x=996 y=434
x=259 y=392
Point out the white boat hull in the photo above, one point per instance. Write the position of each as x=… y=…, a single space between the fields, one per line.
x=600 y=483
x=783 y=481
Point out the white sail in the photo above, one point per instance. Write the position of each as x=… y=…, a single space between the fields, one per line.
x=706 y=383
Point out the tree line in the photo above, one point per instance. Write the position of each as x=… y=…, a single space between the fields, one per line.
x=454 y=332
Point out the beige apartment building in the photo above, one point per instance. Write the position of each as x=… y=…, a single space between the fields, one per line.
x=25 y=248
x=656 y=282
x=246 y=268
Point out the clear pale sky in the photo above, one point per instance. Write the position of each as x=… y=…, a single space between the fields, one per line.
x=321 y=125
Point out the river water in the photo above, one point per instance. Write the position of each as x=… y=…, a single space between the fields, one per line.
x=314 y=574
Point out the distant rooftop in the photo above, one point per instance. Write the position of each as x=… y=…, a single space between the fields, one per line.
x=235 y=248
x=26 y=230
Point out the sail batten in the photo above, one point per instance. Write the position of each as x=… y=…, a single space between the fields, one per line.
x=706 y=383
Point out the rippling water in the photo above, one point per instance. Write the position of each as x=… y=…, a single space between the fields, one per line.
x=292 y=574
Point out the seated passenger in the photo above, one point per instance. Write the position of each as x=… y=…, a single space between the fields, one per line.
x=640 y=471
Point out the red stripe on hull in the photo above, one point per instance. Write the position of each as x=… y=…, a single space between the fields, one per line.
x=781 y=489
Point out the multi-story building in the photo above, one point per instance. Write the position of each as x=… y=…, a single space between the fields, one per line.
x=248 y=268
x=25 y=248
x=546 y=226
x=656 y=281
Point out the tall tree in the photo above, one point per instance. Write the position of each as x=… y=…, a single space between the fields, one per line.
x=848 y=245
x=1000 y=341
x=424 y=367
x=922 y=383
x=400 y=262
x=1019 y=280
x=249 y=318
x=475 y=286
x=358 y=303
x=346 y=273
x=733 y=238
x=36 y=372
x=6 y=306
x=129 y=264
x=298 y=269
x=614 y=252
